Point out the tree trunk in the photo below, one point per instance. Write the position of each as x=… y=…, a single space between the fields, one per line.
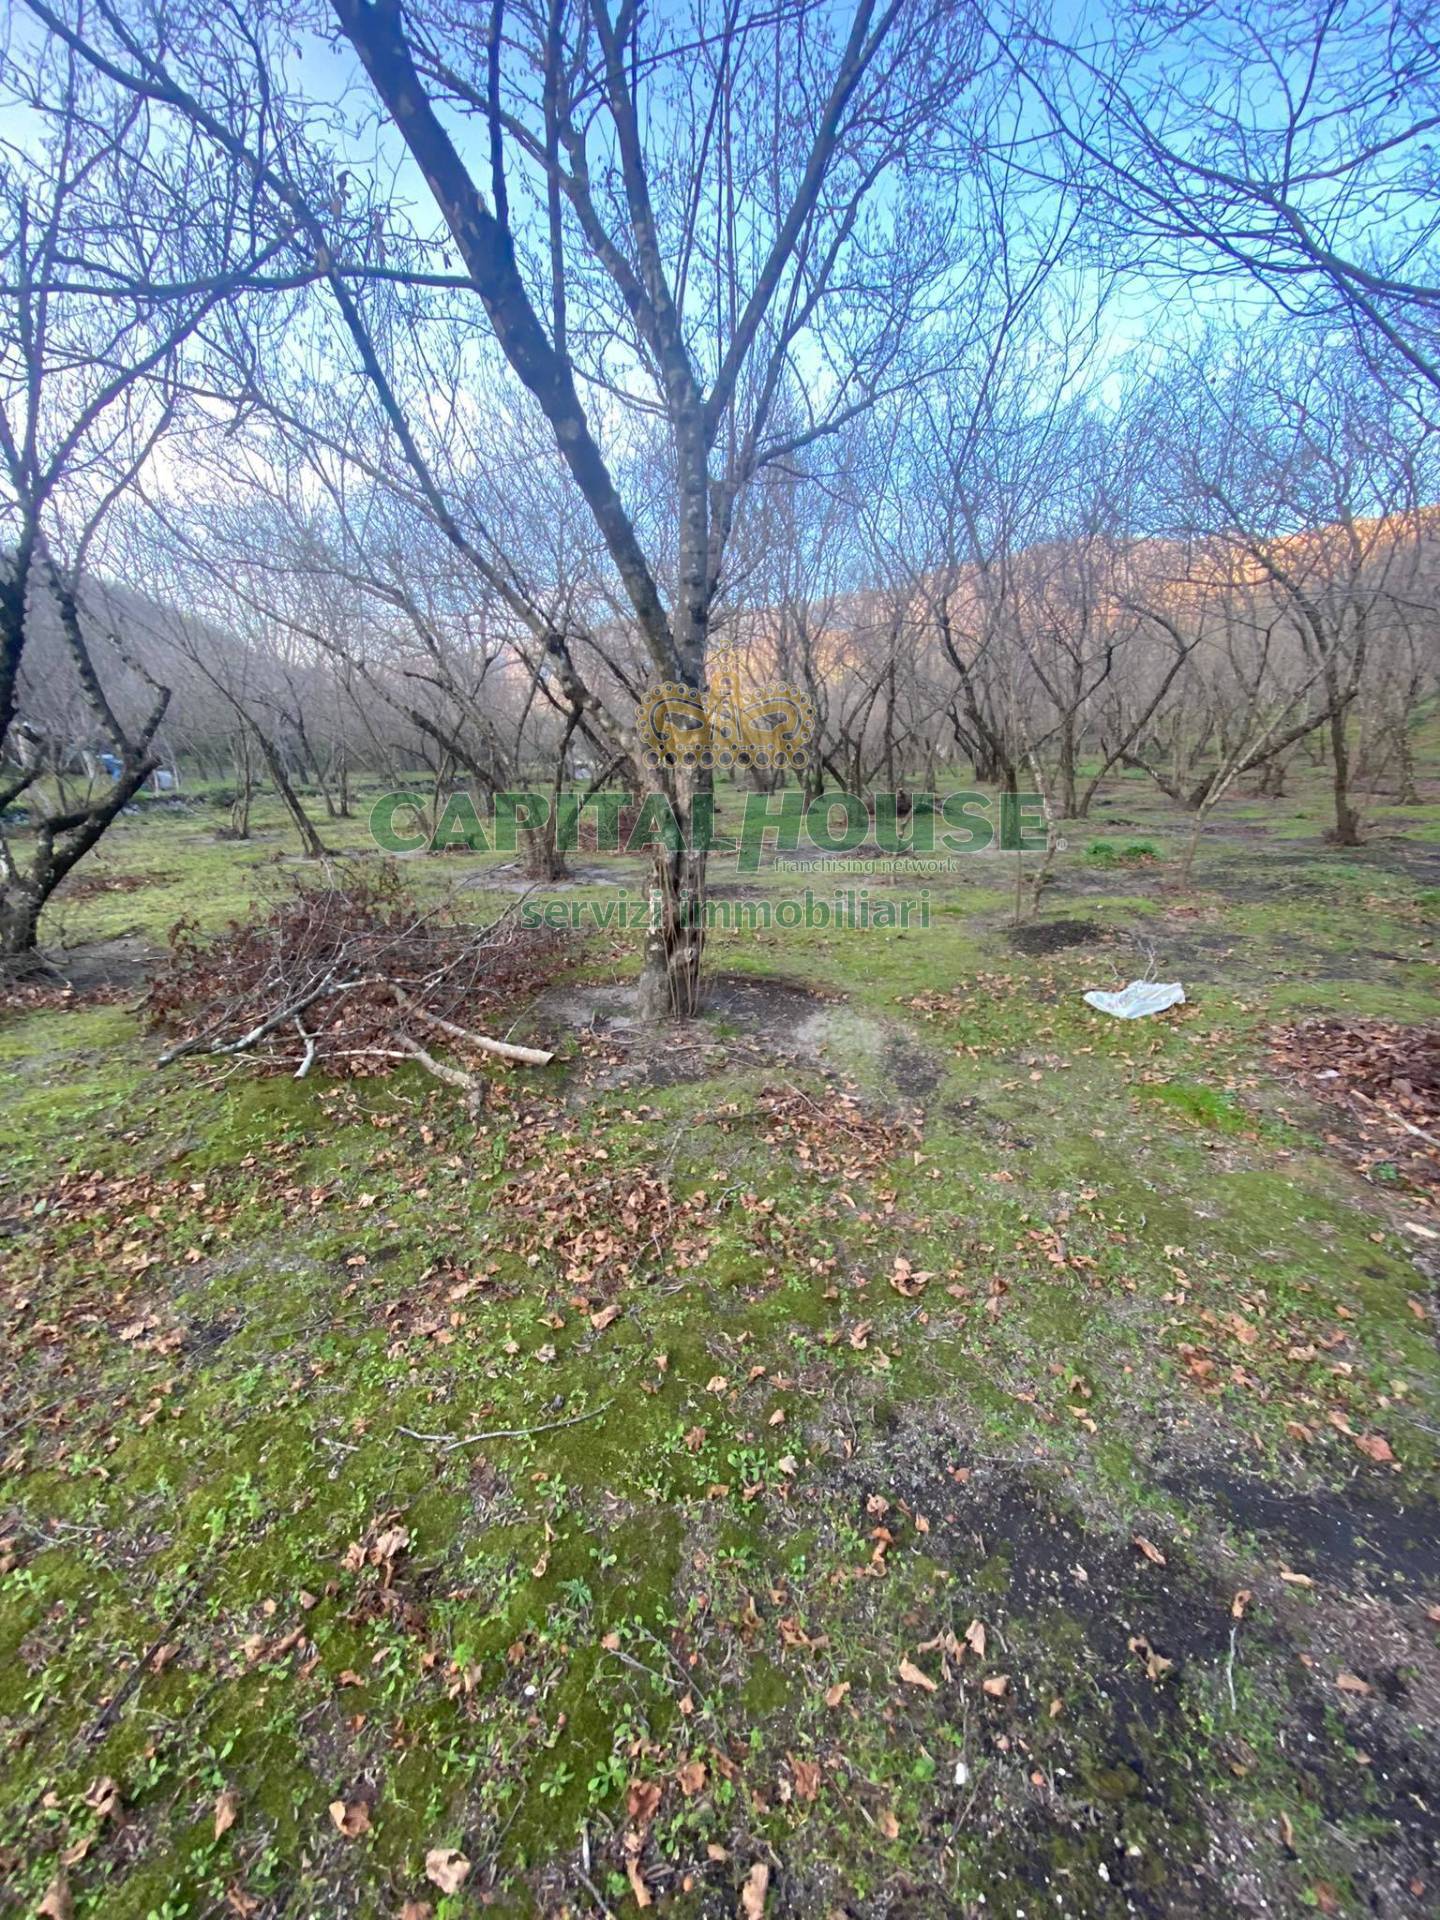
x=19 y=920
x=1346 y=831
x=542 y=859
x=310 y=841
x=1069 y=798
x=1409 y=794
x=1272 y=780
x=23 y=896
x=675 y=939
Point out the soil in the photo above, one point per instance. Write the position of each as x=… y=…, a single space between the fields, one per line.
x=100 y=970
x=1053 y=936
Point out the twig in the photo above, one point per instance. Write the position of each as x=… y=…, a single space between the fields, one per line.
x=448 y=1443
x=503 y=1049
x=594 y=1892
x=141 y=1667
x=309 y=1039
x=1394 y=1119
x=1230 y=1672
x=454 y=1076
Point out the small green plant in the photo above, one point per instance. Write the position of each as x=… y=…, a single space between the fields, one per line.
x=1133 y=853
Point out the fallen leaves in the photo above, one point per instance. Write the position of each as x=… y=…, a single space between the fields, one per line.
x=754 y=1891
x=642 y=1801
x=1156 y=1665
x=351 y=1817
x=102 y=1796
x=1352 y=1683
x=916 y=1677
x=446 y=1868
x=643 y=1896
x=1148 y=1547
x=382 y=1546
x=57 y=1904
x=226 y=1808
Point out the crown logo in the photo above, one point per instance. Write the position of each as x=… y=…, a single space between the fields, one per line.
x=769 y=728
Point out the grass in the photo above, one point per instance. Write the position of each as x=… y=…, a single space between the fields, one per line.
x=933 y=1291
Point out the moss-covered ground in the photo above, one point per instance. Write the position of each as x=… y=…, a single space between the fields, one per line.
x=903 y=1441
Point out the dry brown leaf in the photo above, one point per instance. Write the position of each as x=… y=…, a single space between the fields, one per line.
x=351 y=1817
x=643 y=1897
x=752 y=1894
x=888 y=1824
x=446 y=1868
x=975 y=1638
x=386 y=1545
x=1240 y=1603
x=996 y=1685
x=57 y=1904
x=914 y=1677
x=643 y=1801
x=607 y=1316
x=102 y=1796
x=834 y=1695
x=1148 y=1547
x=1352 y=1683
x=1375 y=1447
x=1156 y=1665
x=692 y=1777
x=226 y=1808
x=807 y=1777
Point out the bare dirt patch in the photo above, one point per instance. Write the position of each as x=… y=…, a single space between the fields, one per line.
x=94 y=886
x=1140 y=1640
x=100 y=971
x=1053 y=936
x=745 y=1020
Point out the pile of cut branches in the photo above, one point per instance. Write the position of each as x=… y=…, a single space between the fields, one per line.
x=350 y=975
x=1387 y=1075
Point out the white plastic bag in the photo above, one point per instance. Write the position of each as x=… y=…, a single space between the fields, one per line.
x=1141 y=997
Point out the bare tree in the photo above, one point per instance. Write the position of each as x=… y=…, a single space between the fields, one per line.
x=680 y=282
x=1286 y=143
x=88 y=393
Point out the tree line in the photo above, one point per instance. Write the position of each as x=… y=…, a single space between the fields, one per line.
x=405 y=388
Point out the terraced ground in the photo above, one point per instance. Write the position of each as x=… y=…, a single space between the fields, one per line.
x=902 y=1444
